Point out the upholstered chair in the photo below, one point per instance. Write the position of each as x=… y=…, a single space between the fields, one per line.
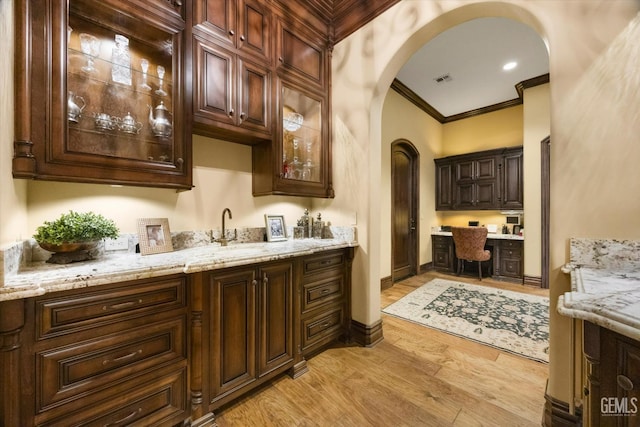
x=469 y=243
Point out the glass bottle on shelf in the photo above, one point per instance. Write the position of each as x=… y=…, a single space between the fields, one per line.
x=121 y=59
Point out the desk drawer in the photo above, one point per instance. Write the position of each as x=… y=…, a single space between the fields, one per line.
x=511 y=244
x=72 y=313
x=78 y=370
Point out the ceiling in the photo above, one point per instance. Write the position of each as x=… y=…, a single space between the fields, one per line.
x=459 y=72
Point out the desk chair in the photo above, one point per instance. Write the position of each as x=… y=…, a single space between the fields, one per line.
x=469 y=243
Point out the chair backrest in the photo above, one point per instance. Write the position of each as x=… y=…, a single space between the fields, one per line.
x=469 y=242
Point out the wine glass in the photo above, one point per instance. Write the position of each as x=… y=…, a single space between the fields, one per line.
x=144 y=65
x=90 y=46
x=160 y=91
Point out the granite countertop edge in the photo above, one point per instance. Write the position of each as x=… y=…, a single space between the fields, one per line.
x=604 y=297
x=40 y=278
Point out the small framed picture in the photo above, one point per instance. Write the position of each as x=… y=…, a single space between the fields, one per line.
x=154 y=236
x=276 y=230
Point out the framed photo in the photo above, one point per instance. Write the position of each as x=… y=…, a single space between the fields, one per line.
x=154 y=236
x=276 y=229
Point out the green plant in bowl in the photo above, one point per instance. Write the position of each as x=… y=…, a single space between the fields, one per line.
x=75 y=231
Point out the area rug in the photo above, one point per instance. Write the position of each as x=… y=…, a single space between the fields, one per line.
x=511 y=321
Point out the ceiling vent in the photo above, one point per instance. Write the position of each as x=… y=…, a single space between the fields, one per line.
x=443 y=78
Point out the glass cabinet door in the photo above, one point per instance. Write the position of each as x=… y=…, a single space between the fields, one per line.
x=103 y=94
x=301 y=137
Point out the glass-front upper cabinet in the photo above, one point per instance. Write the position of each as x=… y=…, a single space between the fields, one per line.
x=300 y=154
x=107 y=93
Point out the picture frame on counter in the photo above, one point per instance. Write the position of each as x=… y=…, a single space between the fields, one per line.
x=276 y=228
x=154 y=236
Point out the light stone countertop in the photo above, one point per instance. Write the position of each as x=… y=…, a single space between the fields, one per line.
x=605 y=285
x=39 y=278
x=489 y=236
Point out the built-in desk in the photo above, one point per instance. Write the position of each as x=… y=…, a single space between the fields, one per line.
x=507 y=253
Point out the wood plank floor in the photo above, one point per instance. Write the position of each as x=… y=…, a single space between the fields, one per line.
x=416 y=377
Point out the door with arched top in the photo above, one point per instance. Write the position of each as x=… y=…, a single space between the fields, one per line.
x=404 y=209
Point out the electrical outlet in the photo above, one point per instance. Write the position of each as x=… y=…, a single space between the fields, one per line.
x=119 y=244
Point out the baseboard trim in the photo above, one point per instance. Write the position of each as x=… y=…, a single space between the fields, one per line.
x=366 y=335
x=556 y=414
x=533 y=281
x=426 y=267
x=386 y=283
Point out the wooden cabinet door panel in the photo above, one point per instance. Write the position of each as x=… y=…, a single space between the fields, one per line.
x=214 y=90
x=255 y=29
x=300 y=56
x=275 y=317
x=233 y=337
x=465 y=196
x=465 y=171
x=512 y=196
x=486 y=168
x=255 y=97
x=444 y=186
x=485 y=195
x=216 y=17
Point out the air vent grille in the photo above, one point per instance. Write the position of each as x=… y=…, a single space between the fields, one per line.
x=443 y=78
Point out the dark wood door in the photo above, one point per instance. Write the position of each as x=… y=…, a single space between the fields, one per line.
x=513 y=175
x=233 y=331
x=444 y=186
x=275 y=317
x=404 y=209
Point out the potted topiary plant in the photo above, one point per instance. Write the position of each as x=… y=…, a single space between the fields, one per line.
x=74 y=236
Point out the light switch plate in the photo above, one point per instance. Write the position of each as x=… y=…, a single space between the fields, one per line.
x=119 y=244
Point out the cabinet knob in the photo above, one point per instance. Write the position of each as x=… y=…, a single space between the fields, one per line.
x=242 y=38
x=280 y=59
x=231 y=112
x=624 y=382
x=242 y=115
x=231 y=32
x=254 y=282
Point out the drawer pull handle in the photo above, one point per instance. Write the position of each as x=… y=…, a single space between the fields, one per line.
x=326 y=324
x=624 y=382
x=121 y=305
x=122 y=358
x=325 y=291
x=325 y=262
x=127 y=418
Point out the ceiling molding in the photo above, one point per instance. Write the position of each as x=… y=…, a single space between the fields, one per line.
x=416 y=100
x=350 y=15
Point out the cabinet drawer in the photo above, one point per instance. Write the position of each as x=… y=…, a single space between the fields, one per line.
x=441 y=241
x=319 y=263
x=73 y=313
x=84 y=368
x=511 y=244
x=159 y=402
x=322 y=292
x=325 y=326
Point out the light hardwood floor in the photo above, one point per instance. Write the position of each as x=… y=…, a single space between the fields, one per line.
x=416 y=377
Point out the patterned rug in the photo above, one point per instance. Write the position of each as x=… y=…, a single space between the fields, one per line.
x=510 y=321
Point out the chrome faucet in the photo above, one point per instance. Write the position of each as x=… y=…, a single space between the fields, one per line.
x=223 y=238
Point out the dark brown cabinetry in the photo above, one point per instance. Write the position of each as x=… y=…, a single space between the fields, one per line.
x=612 y=391
x=442 y=253
x=487 y=180
x=324 y=288
x=298 y=159
x=232 y=78
x=111 y=75
x=248 y=320
x=111 y=356
x=507 y=256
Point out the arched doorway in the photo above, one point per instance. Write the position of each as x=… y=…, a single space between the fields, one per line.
x=405 y=196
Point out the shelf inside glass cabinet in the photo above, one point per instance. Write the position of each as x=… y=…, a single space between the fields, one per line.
x=302 y=124
x=120 y=94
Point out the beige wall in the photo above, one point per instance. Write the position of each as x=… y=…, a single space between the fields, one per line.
x=537 y=117
x=403 y=120
x=593 y=122
x=502 y=128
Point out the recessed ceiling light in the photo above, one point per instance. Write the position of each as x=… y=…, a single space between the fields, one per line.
x=509 y=66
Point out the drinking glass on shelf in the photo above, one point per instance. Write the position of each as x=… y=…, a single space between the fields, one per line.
x=144 y=65
x=160 y=91
x=90 y=46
